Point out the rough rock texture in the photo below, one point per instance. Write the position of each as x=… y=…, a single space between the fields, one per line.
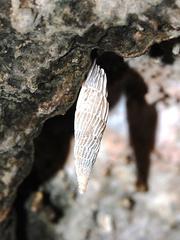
x=45 y=49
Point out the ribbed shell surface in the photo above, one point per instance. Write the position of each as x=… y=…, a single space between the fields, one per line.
x=90 y=121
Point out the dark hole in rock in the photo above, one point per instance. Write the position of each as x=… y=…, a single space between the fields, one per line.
x=164 y=50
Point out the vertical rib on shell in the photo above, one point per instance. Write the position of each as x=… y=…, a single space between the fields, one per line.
x=90 y=121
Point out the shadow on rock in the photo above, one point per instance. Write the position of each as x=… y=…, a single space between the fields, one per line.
x=141 y=116
x=51 y=150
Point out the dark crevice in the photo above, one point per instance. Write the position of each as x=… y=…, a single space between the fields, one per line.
x=163 y=50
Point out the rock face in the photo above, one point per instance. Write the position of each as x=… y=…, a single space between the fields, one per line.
x=45 y=53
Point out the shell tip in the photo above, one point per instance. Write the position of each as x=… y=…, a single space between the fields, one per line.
x=82 y=183
x=81 y=191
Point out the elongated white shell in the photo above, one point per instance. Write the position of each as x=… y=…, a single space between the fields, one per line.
x=90 y=121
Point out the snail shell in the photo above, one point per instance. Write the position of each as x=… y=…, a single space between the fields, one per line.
x=90 y=121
